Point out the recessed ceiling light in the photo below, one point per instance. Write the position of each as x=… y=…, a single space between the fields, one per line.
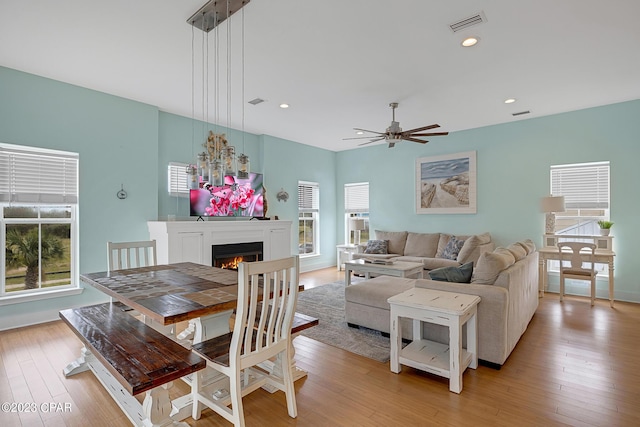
x=509 y=100
x=284 y=105
x=359 y=133
x=470 y=41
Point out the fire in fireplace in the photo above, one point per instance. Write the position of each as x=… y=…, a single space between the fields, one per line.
x=230 y=255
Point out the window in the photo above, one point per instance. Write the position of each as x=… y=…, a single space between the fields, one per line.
x=38 y=203
x=585 y=188
x=308 y=212
x=356 y=205
x=178 y=179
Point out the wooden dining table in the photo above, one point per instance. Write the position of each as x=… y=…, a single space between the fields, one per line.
x=169 y=294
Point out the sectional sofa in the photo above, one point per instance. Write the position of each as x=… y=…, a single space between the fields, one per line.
x=434 y=250
x=506 y=280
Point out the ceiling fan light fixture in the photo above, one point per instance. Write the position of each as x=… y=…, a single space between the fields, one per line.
x=470 y=41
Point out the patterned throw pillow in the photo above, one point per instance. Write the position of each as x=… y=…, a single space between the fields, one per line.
x=452 y=248
x=460 y=274
x=376 y=247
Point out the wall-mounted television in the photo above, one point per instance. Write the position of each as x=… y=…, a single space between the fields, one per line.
x=236 y=198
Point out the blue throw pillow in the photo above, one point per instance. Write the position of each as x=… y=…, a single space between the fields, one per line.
x=376 y=247
x=453 y=248
x=460 y=274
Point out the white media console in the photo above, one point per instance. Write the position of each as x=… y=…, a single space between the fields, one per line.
x=191 y=241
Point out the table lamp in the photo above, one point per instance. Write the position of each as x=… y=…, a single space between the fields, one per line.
x=357 y=225
x=550 y=205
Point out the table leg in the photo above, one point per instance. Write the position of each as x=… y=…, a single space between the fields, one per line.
x=347 y=275
x=611 y=296
x=396 y=342
x=455 y=355
x=157 y=407
x=542 y=275
x=472 y=338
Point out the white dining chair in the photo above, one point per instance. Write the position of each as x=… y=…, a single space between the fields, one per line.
x=267 y=295
x=124 y=255
x=575 y=270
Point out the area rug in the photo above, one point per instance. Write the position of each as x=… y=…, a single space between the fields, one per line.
x=326 y=302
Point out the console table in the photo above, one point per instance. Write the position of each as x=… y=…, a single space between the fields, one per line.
x=603 y=255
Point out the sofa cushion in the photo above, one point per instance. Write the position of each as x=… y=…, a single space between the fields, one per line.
x=433 y=263
x=376 y=247
x=518 y=251
x=422 y=244
x=396 y=239
x=453 y=248
x=375 y=292
x=490 y=264
x=460 y=274
x=442 y=244
x=471 y=249
x=529 y=246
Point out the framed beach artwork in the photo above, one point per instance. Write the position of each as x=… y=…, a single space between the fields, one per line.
x=446 y=184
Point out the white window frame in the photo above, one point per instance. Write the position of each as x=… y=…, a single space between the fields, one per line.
x=587 y=192
x=39 y=178
x=309 y=210
x=586 y=189
x=356 y=205
x=178 y=179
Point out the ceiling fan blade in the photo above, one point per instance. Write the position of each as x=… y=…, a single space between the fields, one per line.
x=430 y=134
x=373 y=140
x=407 y=138
x=422 y=128
x=360 y=137
x=371 y=131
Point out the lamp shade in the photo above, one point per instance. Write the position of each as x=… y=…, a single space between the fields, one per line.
x=356 y=224
x=552 y=204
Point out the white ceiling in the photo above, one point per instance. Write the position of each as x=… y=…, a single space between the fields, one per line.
x=338 y=63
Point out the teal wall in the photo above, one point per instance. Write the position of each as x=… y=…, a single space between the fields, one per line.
x=122 y=142
x=286 y=163
x=513 y=174
x=117 y=143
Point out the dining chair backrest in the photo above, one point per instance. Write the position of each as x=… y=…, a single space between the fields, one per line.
x=262 y=329
x=124 y=255
x=576 y=257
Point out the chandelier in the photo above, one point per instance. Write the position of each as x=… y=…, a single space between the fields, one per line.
x=219 y=158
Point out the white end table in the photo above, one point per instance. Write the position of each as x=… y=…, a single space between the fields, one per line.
x=441 y=308
x=345 y=253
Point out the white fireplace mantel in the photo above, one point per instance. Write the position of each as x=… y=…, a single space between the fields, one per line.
x=182 y=241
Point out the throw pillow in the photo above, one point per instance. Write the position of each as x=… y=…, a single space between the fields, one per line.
x=472 y=246
x=376 y=247
x=452 y=248
x=518 y=251
x=460 y=274
x=395 y=240
x=490 y=264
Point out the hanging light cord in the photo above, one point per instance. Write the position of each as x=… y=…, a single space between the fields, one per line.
x=228 y=69
x=242 y=100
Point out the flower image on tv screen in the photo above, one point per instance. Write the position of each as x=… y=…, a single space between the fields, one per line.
x=237 y=197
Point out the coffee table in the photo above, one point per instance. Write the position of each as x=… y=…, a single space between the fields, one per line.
x=397 y=269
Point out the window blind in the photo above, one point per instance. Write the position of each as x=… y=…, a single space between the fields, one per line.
x=178 y=179
x=308 y=196
x=37 y=176
x=356 y=198
x=584 y=186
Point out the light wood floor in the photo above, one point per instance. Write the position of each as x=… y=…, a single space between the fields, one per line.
x=575 y=365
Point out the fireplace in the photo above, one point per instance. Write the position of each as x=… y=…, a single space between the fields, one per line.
x=231 y=254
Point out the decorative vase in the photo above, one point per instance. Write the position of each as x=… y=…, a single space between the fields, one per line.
x=605 y=231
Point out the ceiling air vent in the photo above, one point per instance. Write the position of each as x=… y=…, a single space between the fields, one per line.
x=256 y=101
x=520 y=113
x=476 y=19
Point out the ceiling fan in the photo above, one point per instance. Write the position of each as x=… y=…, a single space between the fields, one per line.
x=394 y=133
